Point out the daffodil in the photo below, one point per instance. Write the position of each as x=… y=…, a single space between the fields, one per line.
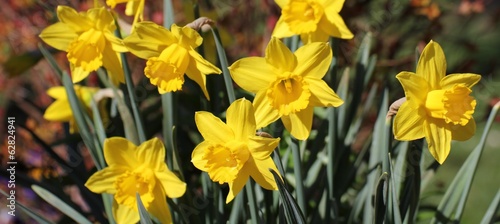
x=89 y=40
x=231 y=152
x=170 y=55
x=313 y=20
x=133 y=8
x=60 y=110
x=438 y=106
x=136 y=170
x=287 y=85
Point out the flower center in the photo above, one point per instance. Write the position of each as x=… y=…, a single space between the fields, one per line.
x=141 y=181
x=289 y=94
x=225 y=161
x=454 y=105
x=167 y=70
x=86 y=50
x=302 y=16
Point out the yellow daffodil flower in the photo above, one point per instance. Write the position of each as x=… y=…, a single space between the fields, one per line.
x=287 y=85
x=170 y=54
x=231 y=152
x=133 y=8
x=136 y=169
x=60 y=110
x=313 y=20
x=437 y=107
x=89 y=40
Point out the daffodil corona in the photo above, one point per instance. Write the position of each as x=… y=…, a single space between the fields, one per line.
x=89 y=39
x=231 y=152
x=136 y=170
x=313 y=20
x=60 y=110
x=287 y=85
x=170 y=55
x=437 y=107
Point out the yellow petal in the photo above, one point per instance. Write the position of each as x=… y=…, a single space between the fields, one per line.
x=238 y=184
x=159 y=207
x=259 y=171
x=103 y=19
x=264 y=112
x=77 y=22
x=409 y=123
x=103 y=181
x=468 y=79
x=197 y=156
x=119 y=151
x=111 y=62
x=313 y=60
x=193 y=73
x=59 y=36
x=148 y=40
x=316 y=36
x=432 y=64
x=281 y=29
x=415 y=87
x=262 y=147
x=212 y=128
x=252 y=74
x=463 y=133
x=203 y=65
x=279 y=56
x=58 y=92
x=171 y=184
x=281 y=3
x=333 y=5
x=333 y=25
x=299 y=124
x=240 y=118
x=322 y=94
x=189 y=36
x=152 y=153
x=438 y=136
x=78 y=73
x=124 y=214
x=59 y=110
x=116 y=43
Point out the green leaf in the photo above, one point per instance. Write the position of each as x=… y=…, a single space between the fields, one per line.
x=34 y=215
x=489 y=217
x=381 y=198
x=292 y=211
x=59 y=204
x=223 y=63
x=143 y=213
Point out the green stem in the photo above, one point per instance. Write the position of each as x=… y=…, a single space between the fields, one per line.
x=252 y=204
x=297 y=170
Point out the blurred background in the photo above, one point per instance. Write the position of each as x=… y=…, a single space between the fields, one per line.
x=468 y=31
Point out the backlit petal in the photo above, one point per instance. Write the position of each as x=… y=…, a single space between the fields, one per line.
x=124 y=214
x=148 y=40
x=281 y=3
x=313 y=60
x=408 y=123
x=75 y=21
x=333 y=5
x=463 y=133
x=103 y=181
x=111 y=62
x=334 y=25
x=58 y=35
x=152 y=153
x=264 y=112
x=194 y=74
x=171 y=184
x=259 y=171
x=58 y=92
x=203 y=65
x=299 y=124
x=438 y=136
x=322 y=94
x=197 y=156
x=119 y=151
x=212 y=128
x=78 y=73
x=415 y=87
x=238 y=184
x=59 y=110
x=281 y=29
x=432 y=65
x=262 y=147
x=279 y=56
x=240 y=118
x=159 y=207
x=252 y=74
x=103 y=19
x=467 y=79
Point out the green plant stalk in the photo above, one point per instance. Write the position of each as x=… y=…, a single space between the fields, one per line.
x=252 y=204
x=297 y=170
x=224 y=64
